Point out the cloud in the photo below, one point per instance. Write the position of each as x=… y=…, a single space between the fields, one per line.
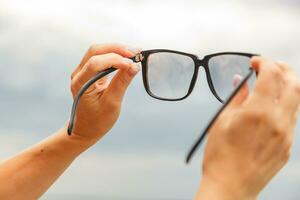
x=42 y=41
x=131 y=174
x=134 y=175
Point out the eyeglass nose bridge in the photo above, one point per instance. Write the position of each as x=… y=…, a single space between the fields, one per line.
x=204 y=63
x=200 y=62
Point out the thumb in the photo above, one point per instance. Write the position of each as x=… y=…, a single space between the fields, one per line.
x=241 y=96
x=120 y=82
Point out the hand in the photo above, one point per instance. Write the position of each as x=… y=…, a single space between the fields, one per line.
x=251 y=140
x=100 y=105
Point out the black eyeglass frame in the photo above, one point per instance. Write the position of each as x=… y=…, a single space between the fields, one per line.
x=144 y=55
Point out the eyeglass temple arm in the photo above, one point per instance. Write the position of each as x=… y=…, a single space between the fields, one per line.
x=86 y=86
x=204 y=133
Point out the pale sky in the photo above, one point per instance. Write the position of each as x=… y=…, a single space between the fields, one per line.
x=143 y=156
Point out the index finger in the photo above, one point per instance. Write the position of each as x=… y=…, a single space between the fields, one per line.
x=97 y=64
x=269 y=79
x=99 y=49
x=290 y=97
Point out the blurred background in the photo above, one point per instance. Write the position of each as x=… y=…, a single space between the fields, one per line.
x=41 y=42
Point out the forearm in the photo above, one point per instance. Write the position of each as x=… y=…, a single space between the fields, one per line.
x=29 y=174
x=211 y=190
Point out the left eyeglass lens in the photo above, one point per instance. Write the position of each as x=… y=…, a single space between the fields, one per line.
x=169 y=75
x=227 y=71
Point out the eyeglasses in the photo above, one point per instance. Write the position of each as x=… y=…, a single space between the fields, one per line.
x=171 y=75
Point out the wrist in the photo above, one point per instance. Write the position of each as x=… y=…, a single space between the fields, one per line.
x=74 y=143
x=87 y=135
x=210 y=189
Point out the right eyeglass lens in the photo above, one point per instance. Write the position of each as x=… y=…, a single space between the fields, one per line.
x=169 y=75
x=226 y=71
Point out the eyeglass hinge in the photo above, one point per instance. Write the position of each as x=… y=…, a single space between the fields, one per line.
x=138 y=57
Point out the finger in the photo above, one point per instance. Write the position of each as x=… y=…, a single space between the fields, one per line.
x=289 y=105
x=289 y=100
x=119 y=84
x=97 y=64
x=290 y=97
x=99 y=88
x=102 y=81
x=284 y=67
x=241 y=96
x=269 y=79
x=99 y=49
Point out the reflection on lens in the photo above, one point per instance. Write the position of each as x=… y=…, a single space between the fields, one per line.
x=169 y=74
x=224 y=70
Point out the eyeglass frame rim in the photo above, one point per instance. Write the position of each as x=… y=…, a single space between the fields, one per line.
x=197 y=64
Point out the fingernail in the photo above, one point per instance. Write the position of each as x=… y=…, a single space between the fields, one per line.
x=134 y=69
x=236 y=79
x=127 y=61
x=134 y=50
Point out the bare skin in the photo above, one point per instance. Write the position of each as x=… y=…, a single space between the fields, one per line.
x=255 y=134
x=29 y=174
